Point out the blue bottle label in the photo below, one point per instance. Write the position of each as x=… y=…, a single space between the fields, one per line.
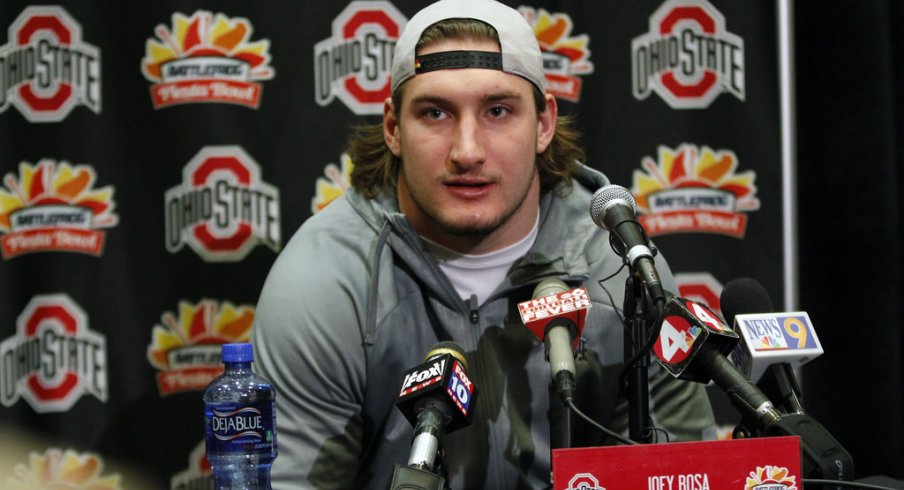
x=241 y=428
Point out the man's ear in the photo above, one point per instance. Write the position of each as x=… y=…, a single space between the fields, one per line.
x=546 y=125
x=391 y=127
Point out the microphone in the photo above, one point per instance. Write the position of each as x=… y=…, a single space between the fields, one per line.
x=556 y=316
x=436 y=397
x=693 y=344
x=772 y=345
x=613 y=209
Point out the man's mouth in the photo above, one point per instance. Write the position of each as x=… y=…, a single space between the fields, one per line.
x=469 y=189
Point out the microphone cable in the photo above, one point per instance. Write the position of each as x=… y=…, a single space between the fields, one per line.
x=648 y=345
x=836 y=483
x=570 y=401
x=609 y=432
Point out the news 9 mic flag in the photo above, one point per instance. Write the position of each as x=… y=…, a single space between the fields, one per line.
x=774 y=338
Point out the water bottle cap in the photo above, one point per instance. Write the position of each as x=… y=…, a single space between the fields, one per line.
x=238 y=352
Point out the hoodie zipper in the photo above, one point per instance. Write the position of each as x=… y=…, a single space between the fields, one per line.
x=493 y=478
x=473 y=310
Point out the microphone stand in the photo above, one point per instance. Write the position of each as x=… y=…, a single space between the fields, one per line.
x=559 y=425
x=638 y=392
x=780 y=385
x=559 y=421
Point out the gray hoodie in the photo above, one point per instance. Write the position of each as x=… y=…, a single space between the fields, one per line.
x=354 y=300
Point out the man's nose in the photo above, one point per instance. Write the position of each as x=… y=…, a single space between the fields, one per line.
x=468 y=148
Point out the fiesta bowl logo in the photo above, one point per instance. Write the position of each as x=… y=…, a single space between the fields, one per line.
x=54 y=358
x=689 y=190
x=45 y=68
x=206 y=58
x=688 y=57
x=354 y=63
x=54 y=207
x=199 y=473
x=337 y=182
x=58 y=469
x=771 y=478
x=564 y=56
x=222 y=208
x=185 y=349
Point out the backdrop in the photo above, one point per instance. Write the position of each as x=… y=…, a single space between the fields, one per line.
x=156 y=156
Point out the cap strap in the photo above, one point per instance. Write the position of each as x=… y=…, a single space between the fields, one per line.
x=458 y=59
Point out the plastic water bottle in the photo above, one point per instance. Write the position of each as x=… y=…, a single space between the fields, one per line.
x=240 y=418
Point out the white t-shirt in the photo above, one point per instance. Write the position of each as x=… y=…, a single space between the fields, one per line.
x=480 y=274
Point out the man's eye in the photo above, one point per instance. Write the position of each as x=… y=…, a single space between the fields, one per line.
x=433 y=113
x=498 y=111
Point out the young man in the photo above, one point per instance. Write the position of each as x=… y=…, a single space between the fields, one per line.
x=467 y=196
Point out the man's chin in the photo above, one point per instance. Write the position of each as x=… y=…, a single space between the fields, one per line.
x=469 y=229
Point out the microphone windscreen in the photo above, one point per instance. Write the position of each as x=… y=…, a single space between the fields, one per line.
x=447 y=347
x=743 y=296
x=603 y=197
x=548 y=287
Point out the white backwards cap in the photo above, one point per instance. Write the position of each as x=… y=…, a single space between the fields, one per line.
x=520 y=51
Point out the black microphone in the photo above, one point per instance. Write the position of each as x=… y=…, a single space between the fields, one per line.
x=613 y=209
x=436 y=397
x=693 y=343
x=743 y=296
x=822 y=456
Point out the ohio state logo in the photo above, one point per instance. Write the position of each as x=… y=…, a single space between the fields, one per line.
x=584 y=481
x=222 y=208
x=54 y=358
x=702 y=287
x=45 y=68
x=688 y=57
x=354 y=63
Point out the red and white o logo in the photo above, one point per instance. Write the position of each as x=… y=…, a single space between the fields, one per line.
x=354 y=63
x=358 y=21
x=54 y=358
x=584 y=481
x=69 y=319
x=687 y=57
x=58 y=71
x=229 y=238
x=222 y=209
x=706 y=78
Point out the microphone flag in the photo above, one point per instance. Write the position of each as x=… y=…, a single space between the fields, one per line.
x=537 y=313
x=687 y=327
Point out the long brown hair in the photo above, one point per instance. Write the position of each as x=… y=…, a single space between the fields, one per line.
x=376 y=168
